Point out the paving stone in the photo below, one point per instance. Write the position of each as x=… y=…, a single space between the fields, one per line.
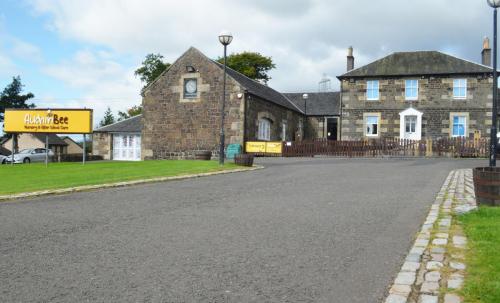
x=427 y=299
x=413 y=258
x=451 y=298
x=429 y=287
x=457 y=265
x=410 y=266
x=459 y=240
x=421 y=242
x=455 y=283
x=405 y=278
x=433 y=276
x=440 y=241
x=438 y=250
x=437 y=257
x=417 y=250
x=393 y=298
x=398 y=289
x=442 y=235
x=433 y=265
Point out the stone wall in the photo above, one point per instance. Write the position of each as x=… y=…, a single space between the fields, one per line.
x=174 y=125
x=101 y=145
x=435 y=101
x=258 y=108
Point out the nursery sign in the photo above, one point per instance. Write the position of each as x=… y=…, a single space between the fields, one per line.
x=59 y=121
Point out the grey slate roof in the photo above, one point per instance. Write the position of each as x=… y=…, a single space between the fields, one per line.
x=53 y=139
x=4 y=151
x=130 y=125
x=417 y=63
x=260 y=90
x=318 y=104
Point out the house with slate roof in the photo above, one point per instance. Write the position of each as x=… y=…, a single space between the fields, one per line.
x=417 y=95
x=181 y=114
x=37 y=140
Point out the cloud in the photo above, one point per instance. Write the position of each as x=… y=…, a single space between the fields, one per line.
x=25 y=50
x=103 y=81
x=306 y=38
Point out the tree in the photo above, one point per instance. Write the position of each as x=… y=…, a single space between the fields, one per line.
x=108 y=118
x=252 y=65
x=151 y=68
x=133 y=111
x=11 y=97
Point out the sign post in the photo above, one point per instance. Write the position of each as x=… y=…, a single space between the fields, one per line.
x=84 y=149
x=46 y=150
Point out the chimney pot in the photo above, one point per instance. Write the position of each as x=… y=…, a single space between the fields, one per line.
x=486 y=52
x=350 y=59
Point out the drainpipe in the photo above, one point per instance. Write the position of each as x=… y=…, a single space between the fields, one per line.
x=245 y=113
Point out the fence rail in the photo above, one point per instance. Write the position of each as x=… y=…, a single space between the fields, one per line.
x=386 y=147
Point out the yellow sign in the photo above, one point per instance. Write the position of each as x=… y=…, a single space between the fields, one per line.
x=273 y=147
x=255 y=147
x=264 y=147
x=59 y=121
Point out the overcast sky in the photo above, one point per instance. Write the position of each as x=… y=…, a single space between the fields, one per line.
x=75 y=53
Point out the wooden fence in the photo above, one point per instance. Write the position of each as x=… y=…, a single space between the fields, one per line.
x=446 y=147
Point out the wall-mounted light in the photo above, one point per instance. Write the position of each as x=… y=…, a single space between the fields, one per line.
x=239 y=95
x=190 y=69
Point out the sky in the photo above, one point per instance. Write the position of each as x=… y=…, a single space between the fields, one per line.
x=83 y=53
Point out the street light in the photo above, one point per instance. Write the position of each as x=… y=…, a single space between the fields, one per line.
x=493 y=132
x=305 y=97
x=225 y=39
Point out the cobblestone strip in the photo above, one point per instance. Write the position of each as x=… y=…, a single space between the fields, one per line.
x=434 y=267
x=120 y=184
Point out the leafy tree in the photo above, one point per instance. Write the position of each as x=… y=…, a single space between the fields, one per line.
x=252 y=65
x=133 y=111
x=108 y=118
x=11 y=97
x=151 y=68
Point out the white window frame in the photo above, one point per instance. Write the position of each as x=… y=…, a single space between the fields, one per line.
x=411 y=120
x=284 y=127
x=372 y=86
x=264 y=130
x=459 y=84
x=413 y=86
x=464 y=124
x=366 y=125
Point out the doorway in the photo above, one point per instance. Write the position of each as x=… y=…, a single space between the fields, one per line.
x=332 y=128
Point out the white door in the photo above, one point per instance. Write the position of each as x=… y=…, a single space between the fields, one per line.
x=126 y=147
x=410 y=124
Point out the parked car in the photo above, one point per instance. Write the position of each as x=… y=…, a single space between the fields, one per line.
x=29 y=155
x=2 y=159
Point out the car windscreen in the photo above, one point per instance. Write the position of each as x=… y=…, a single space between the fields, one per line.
x=25 y=151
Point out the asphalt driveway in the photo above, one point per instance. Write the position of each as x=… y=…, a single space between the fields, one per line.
x=301 y=230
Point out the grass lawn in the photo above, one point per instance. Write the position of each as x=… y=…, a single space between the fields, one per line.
x=482 y=283
x=34 y=177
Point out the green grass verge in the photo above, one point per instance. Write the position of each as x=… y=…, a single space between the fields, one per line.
x=482 y=283
x=34 y=177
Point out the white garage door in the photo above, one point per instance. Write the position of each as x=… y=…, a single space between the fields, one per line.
x=126 y=147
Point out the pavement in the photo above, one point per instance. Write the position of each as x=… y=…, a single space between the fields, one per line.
x=301 y=230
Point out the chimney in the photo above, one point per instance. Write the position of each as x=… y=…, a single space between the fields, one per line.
x=486 y=52
x=350 y=59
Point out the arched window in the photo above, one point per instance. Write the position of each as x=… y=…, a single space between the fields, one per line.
x=264 y=129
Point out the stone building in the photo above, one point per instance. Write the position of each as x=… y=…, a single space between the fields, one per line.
x=417 y=95
x=119 y=141
x=181 y=110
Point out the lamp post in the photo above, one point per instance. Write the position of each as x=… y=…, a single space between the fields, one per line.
x=493 y=132
x=305 y=97
x=225 y=39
